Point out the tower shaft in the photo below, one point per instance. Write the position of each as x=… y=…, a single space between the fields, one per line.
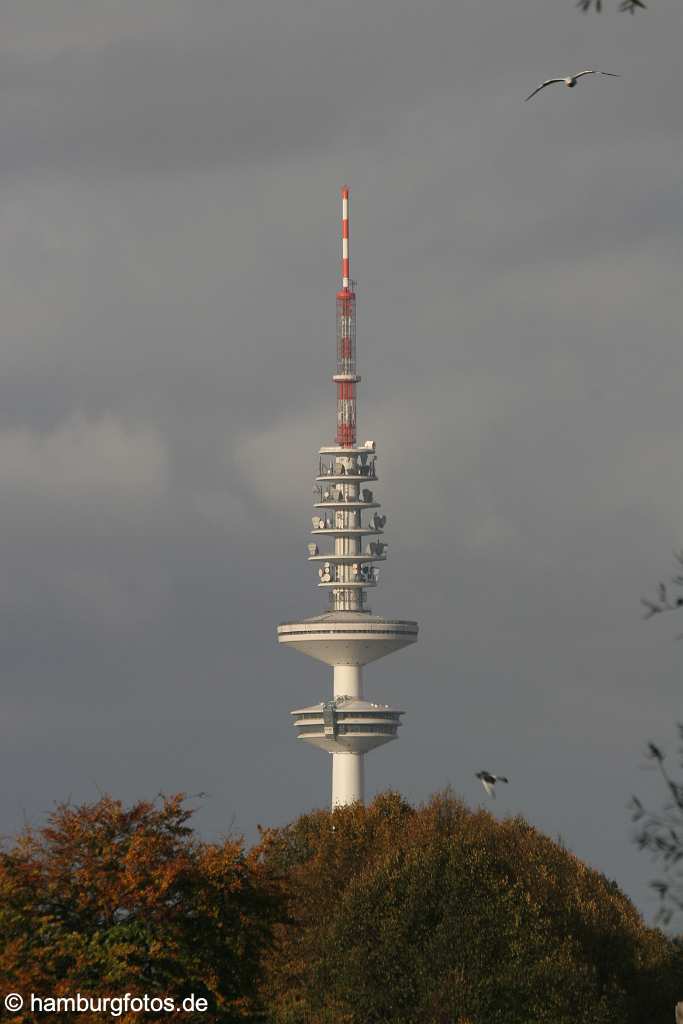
x=348 y=680
x=348 y=636
x=348 y=779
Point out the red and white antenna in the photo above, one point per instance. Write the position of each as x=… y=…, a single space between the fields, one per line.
x=345 y=236
x=346 y=377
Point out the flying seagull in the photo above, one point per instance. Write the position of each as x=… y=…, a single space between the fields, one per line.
x=489 y=781
x=571 y=81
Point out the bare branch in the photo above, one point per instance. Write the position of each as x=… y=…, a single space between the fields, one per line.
x=661 y=834
x=596 y=5
x=652 y=608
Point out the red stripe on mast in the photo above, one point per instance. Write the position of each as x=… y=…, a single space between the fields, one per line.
x=346 y=376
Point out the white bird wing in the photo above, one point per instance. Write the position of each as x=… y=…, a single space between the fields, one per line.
x=610 y=74
x=489 y=788
x=550 y=81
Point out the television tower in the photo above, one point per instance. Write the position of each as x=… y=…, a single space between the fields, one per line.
x=348 y=636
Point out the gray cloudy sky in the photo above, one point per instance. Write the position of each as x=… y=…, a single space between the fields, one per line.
x=169 y=219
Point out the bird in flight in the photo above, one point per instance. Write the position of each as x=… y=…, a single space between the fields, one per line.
x=489 y=781
x=571 y=81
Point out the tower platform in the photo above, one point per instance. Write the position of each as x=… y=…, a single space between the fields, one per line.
x=347 y=725
x=347 y=638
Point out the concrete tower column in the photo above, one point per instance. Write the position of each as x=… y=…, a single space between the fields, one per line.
x=348 y=778
x=348 y=681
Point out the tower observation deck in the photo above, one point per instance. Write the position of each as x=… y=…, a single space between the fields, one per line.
x=347 y=522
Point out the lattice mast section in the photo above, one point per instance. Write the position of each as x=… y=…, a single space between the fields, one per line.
x=346 y=377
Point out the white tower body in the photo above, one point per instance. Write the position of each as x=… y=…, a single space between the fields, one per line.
x=347 y=636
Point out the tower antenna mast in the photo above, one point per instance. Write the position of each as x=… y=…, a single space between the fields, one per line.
x=346 y=376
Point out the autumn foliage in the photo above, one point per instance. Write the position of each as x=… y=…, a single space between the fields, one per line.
x=439 y=914
x=388 y=914
x=106 y=900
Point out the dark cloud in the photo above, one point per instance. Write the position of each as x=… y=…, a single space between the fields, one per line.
x=233 y=87
x=163 y=93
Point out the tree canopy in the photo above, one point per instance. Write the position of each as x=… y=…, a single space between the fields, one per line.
x=435 y=914
x=386 y=914
x=105 y=900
